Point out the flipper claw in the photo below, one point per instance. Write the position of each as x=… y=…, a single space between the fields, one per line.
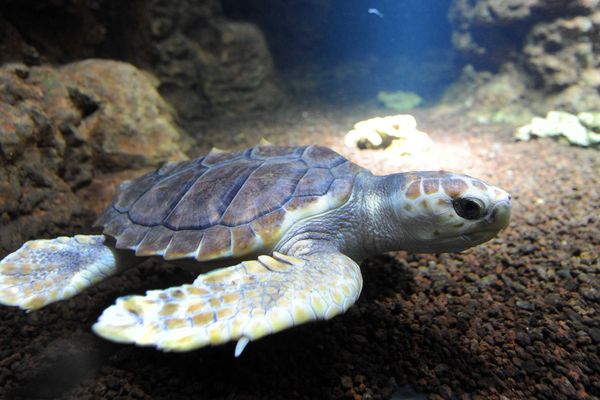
x=241 y=345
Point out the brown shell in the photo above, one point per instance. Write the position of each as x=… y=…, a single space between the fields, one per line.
x=227 y=204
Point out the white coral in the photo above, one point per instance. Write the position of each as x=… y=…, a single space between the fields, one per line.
x=400 y=131
x=560 y=123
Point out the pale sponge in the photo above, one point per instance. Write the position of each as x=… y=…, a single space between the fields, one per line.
x=397 y=131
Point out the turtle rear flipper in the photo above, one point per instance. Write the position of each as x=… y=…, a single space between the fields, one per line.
x=243 y=302
x=49 y=270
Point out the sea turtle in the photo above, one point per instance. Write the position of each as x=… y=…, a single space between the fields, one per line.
x=288 y=226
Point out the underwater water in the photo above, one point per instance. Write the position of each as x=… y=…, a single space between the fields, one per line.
x=468 y=304
x=360 y=48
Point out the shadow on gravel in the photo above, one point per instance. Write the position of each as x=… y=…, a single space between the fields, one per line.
x=378 y=346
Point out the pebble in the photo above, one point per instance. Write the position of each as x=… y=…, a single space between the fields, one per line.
x=525 y=305
x=523 y=339
x=590 y=293
x=585 y=278
x=512 y=284
x=346 y=382
x=564 y=273
x=553 y=299
x=595 y=334
x=583 y=338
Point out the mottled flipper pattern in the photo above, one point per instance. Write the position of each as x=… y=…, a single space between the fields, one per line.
x=45 y=271
x=243 y=302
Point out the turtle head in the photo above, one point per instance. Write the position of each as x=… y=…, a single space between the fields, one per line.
x=446 y=212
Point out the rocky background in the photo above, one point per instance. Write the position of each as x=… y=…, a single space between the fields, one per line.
x=519 y=57
x=206 y=65
x=68 y=135
x=528 y=55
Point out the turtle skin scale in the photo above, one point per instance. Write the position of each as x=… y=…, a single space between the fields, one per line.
x=227 y=204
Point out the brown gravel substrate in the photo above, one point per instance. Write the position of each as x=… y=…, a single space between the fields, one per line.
x=515 y=318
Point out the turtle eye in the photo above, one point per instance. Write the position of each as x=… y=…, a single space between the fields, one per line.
x=469 y=208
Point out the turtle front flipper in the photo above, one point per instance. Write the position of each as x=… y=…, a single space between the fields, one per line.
x=48 y=270
x=243 y=302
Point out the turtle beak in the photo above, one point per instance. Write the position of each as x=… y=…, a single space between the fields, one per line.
x=500 y=215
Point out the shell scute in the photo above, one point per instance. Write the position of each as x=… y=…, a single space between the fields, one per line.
x=269 y=226
x=315 y=182
x=132 y=192
x=345 y=169
x=131 y=236
x=183 y=244
x=158 y=201
x=317 y=156
x=155 y=241
x=220 y=156
x=243 y=240
x=203 y=204
x=117 y=225
x=340 y=190
x=264 y=152
x=300 y=203
x=216 y=243
x=265 y=190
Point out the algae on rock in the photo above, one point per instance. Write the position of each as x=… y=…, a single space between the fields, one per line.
x=399 y=100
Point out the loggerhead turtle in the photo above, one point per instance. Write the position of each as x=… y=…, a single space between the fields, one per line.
x=289 y=224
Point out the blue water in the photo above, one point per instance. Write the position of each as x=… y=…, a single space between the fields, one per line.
x=355 y=48
x=408 y=27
